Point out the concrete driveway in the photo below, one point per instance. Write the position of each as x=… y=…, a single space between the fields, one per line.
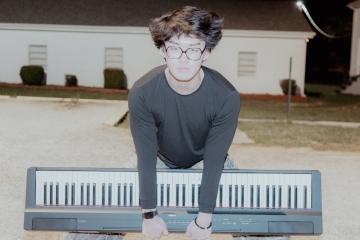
x=69 y=133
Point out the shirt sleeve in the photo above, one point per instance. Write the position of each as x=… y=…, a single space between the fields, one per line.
x=143 y=130
x=218 y=142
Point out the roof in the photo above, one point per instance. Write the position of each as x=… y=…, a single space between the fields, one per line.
x=273 y=15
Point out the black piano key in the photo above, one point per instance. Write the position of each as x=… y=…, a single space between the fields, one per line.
x=66 y=194
x=199 y=186
x=168 y=194
x=236 y=195
x=273 y=196
x=230 y=195
x=88 y=194
x=267 y=196
x=109 y=194
x=162 y=194
x=94 y=194
x=242 y=196
x=177 y=195
x=131 y=194
x=45 y=193
x=279 y=193
x=103 y=194
x=193 y=195
x=258 y=196
x=118 y=194
x=220 y=195
x=289 y=197
x=305 y=197
x=73 y=194
x=125 y=194
x=183 y=195
x=251 y=196
x=82 y=194
x=51 y=193
x=57 y=194
x=295 y=197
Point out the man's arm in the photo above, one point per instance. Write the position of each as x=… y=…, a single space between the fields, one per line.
x=143 y=130
x=217 y=145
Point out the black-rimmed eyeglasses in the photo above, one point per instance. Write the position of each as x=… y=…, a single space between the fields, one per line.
x=175 y=52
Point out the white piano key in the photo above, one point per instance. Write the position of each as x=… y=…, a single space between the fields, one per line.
x=189 y=181
x=172 y=183
x=262 y=192
x=247 y=182
x=308 y=195
x=226 y=184
x=301 y=191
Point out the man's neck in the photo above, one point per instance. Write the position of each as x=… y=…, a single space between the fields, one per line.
x=184 y=87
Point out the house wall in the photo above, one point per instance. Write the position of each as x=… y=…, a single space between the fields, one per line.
x=80 y=51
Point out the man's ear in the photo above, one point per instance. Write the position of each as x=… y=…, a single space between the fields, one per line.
x=162 y=52
x=206 y=54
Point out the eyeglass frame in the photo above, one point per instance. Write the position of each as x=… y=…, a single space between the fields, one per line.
x=182 y=52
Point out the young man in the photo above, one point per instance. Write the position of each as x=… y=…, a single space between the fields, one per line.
x=183 y=113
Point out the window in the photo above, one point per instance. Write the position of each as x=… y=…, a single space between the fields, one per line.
x=113 y=58
x=38 y=55
x=247 y=64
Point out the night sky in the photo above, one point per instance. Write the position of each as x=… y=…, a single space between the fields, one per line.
x=328 y=60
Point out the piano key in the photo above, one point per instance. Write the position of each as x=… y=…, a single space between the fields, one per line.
x=183 y=194
x=103 y=194
x=280 y=198
x=296 y=197
x=125 y=194
x=177 y=194
x=57 y=194
x=236 y=195
x=225 y=190
x=221 y=195
x=82 y=194
x=161 y=194
x=45 y=193
x=289 y=196
x=73 y=193
x=305 y=197
x=258 y=196
x=192 y=195
x=242 y=196
x=251 y=195
x=188 y=193
x=88 y=194
x=246 y=195
x=109 y=194
x=273 y=204
x=267 y=196
x=119 y=194
x=94 y=194
x=167 y=194
x=131 y=200
x=67 y=194
x=230 y=195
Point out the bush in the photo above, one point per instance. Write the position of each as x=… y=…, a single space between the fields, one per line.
x=284 y=84
x=33 y=75
x=71 y=80
x=115 y=78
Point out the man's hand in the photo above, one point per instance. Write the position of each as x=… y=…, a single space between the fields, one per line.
x=154 y=228
x=200 y=227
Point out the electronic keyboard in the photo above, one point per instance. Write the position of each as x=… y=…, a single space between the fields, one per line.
x=249 y=202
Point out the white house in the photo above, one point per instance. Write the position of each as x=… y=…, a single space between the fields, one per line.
x=354 y=87
x=85 y=36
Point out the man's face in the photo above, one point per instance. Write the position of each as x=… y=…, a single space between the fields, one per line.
x=180 y=66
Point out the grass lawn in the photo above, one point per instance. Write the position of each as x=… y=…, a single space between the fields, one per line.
x=297 y=135
x=328 y=106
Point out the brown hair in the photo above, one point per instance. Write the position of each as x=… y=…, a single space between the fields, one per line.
x=190 y=21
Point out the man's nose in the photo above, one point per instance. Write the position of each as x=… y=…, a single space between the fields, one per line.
x=183 y=57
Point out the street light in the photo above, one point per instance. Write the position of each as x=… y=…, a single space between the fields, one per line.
x=303 y=8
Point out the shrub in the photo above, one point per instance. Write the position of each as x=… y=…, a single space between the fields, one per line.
x=33 y=75
x=71 y=80
x=115 y=78
x=284 y=84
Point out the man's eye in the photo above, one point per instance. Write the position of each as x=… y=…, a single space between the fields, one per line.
x=194 y=50
x=173 y=48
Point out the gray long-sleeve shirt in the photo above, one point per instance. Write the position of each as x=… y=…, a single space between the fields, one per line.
x=184 y=129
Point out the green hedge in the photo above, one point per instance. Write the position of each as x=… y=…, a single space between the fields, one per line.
x=33 y=75
x=115 y=78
